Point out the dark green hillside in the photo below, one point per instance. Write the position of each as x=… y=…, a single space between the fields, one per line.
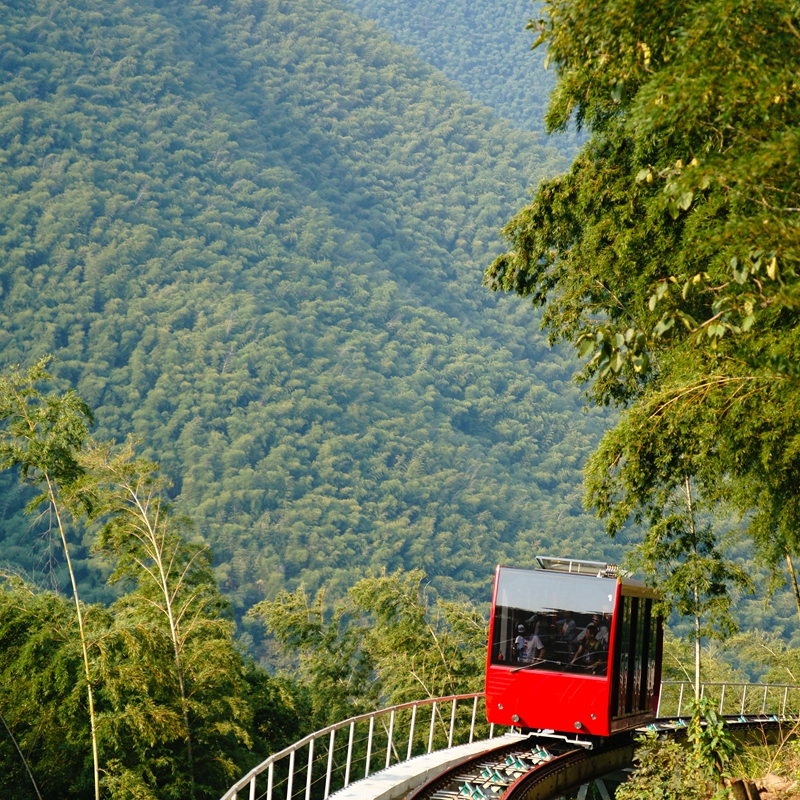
x=253 y=234
x=484 y=47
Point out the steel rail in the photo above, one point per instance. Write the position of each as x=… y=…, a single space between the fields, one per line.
x=573 y=769
x=493 y=761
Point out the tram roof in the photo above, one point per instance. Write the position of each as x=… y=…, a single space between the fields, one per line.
x=594 y=569
x=578 y=566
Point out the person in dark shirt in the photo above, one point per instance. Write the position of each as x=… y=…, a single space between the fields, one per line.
x=589 y=655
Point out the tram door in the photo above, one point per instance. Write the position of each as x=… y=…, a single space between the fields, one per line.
x=636 y=658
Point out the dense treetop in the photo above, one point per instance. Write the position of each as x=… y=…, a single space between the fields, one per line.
x=484 y=47
x=252 y=234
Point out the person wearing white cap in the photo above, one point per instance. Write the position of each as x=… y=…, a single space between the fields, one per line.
x=520 y=645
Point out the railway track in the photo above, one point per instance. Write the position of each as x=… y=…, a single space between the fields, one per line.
x=505 y=773
x=544 y=767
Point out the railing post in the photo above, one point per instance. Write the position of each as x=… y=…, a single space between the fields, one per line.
x=310 y=769
x=389 y=746
x=744 y=694
x=291 y=776
x=660 y=697
x=433 y=723
x=785 y=697
x=452 y=724
x=472 y=724
x=330 y=766
x=764 y=704
x=369 y=744
x=411 y=732
x=680 y=699
x=253 y=788
x=722 y=698
x=270 y=780
x=349 y=755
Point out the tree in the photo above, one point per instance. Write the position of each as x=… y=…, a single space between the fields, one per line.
x=420 y=643
x=42 y=437
x=652 y=482
x=171 y=591
x=44 y=740
x=327 y=652
x=173 y=705
x=319 y=373
x=387 y=643
x=668 y=254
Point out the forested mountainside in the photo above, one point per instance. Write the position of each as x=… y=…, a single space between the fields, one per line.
x=253 y=235
x=484 y=47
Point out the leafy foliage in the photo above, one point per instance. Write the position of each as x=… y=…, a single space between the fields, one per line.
x=662 y=772
x=716 y=667
x=713 y=744
x=326 y=654
x=422 y=646
x=42 y=436
x=44 y=697
x=173 y=599
x=389 y=642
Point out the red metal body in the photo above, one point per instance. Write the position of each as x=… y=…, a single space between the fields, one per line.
x=551 y=695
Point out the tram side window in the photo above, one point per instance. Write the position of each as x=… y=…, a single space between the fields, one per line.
x=552 y=622
x=636 y=657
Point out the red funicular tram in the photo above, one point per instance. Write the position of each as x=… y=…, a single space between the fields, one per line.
x=573 y=646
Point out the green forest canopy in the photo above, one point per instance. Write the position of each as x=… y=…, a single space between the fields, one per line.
x=485 y=48
x=253 y=236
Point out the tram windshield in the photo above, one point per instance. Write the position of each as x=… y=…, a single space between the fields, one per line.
x=552 y=621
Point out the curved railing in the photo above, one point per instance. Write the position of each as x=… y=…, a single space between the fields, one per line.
x=422 y=727
x=417 y=727
x=732 y=699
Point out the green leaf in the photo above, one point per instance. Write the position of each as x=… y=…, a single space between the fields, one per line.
x=663 y=326
x=739 y=275
x=586 y=347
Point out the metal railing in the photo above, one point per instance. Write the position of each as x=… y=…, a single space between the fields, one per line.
x=403 y=731
x=415 y=728
x=731 y=699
